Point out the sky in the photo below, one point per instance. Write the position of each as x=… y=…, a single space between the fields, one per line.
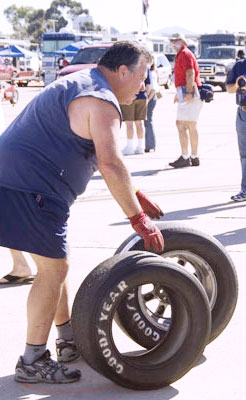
x=126 y=15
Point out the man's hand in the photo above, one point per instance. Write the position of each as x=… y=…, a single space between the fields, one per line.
x=150 y=208
x=153 y=239
x=189 y=98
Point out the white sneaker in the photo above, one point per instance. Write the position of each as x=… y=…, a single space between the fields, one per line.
x=128 y=151
x=139 y=150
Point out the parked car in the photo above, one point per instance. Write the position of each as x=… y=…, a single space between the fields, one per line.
x=164 y=70
x=171 y=59
x=87 y=57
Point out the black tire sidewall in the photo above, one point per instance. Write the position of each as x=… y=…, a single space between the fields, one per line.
x=181 y=237
x=93 y=314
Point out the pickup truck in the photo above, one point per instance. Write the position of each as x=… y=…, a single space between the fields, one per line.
x=217 y=63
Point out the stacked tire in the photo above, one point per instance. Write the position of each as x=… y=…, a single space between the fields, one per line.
x=189 y=311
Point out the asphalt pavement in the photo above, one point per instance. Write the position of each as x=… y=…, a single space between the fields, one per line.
x=196 y=196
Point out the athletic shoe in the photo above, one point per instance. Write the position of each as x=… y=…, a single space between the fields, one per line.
x=181 y=162
x=139 y=150
x=45 y=370
x=149 y=150
x=195 y=162
x=66 y=350
x=128 y=151
x=241 y=196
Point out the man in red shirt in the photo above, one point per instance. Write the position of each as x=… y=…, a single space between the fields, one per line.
x=187 y=81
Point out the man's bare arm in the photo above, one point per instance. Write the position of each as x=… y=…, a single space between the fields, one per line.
x=101 y=123
x=190 y=80
x=232 y=87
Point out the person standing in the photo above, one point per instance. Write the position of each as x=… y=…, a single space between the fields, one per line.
x=62 y=61
x=21 y=272
x=135 y=114
x=47 y=157
x=152 y=88
x=187 y=81
x=236 y=83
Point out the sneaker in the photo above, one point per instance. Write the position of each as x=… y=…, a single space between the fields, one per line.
x=180 y=163
x=241 y=196
x=66 y=350
x=139 y=150
x=45 y=370
x=128 y=151
x=195 y=162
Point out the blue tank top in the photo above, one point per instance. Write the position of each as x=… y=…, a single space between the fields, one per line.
x=40 y=153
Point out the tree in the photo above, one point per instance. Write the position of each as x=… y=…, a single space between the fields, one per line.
x=35 y=25
x=30 y=23
x=18 y=19
x=57 y=7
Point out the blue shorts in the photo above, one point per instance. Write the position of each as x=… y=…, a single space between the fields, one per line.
x=33 y=223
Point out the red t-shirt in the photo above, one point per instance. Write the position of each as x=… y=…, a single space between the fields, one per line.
x=185 y=59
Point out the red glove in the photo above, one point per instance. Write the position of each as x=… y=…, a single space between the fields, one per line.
x=153 y=239
x=150 y=208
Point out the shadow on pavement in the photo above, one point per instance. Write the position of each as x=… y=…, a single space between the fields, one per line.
x=92 y=387
x=237 y=236
x=195 y=212
x=148 y=172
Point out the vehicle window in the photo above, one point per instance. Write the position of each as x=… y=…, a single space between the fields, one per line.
x=160 y=61
x=89 y=55
x=170 y=57
x=220 y=53
x=166 y=63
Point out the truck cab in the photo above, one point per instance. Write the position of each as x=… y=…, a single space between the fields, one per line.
x=216 y=63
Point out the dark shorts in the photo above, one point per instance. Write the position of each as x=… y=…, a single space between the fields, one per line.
x=33 y=223
x=137 y=111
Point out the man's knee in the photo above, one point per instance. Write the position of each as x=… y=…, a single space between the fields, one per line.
x=192 y=126
x=57 y=267
x=181 y=125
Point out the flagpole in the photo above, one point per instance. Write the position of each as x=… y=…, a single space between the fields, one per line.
x=142 y=15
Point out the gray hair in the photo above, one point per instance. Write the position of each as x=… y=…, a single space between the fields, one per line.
x=124 y=53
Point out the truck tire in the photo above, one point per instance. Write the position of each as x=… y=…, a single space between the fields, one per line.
x=168 y=83
x=99 y=297
x=201 y=254
x=223 y=87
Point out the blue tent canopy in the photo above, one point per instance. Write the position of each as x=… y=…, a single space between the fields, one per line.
x=71 y=49
x=15 y=51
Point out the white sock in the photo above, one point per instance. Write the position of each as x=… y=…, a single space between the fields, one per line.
x=129 y=142
x=185 y=156
x=140 y=143
x=194 y=156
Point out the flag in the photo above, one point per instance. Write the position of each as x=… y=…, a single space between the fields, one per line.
x=145 y=9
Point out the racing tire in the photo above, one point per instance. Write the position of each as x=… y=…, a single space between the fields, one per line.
x=204 y=257
x=223 y=87
x=99 y=297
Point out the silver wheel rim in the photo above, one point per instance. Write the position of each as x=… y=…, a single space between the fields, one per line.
x=153 y=300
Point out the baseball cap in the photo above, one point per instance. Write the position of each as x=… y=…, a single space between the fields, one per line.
x=178 y=36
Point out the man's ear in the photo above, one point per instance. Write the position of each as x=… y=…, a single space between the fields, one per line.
x=123 y=71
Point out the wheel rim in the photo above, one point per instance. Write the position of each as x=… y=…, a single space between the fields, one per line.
x=153 y=300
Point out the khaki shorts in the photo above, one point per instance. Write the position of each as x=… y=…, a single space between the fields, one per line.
x=137 y=111
x=189 y=111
